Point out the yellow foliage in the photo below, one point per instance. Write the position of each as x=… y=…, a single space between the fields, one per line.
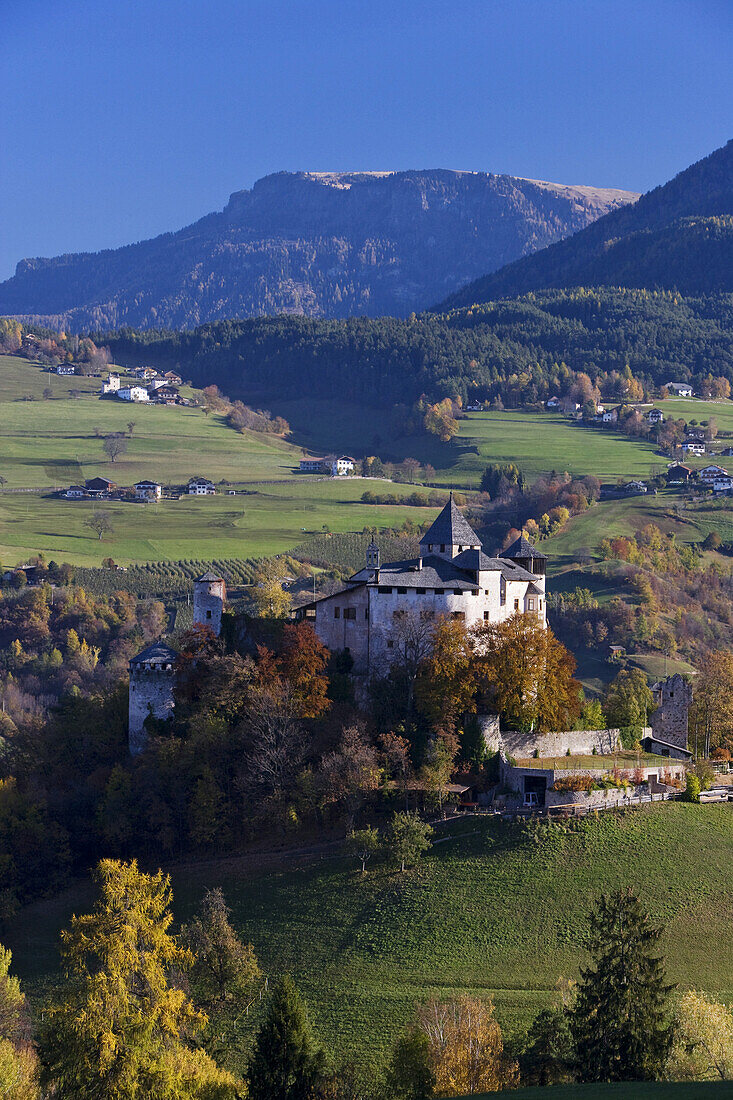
x=466 y=1047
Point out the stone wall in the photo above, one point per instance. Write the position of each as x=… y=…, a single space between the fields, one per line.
x=580 y=742
x=149 y=692
x=208 y=604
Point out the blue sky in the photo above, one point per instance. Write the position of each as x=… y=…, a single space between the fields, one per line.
x=126 y=118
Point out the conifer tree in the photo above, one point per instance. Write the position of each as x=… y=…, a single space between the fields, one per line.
x=410 y=1075
x=620 y=1021
x=286 y=1064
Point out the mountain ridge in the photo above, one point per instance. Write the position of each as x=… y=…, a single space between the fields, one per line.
x=670 y=256
x=320 y=244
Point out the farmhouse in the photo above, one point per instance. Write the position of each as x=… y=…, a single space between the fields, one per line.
x=311 y=465
x=635 y=487
x=678 y=474
x=133 y=393
x=112 y=385
x=65 y=369
x=610 y=416
x=694 y=447
x=148 y=490
x=99 y=486
x=679 y=389
x=341 y=466
x=200 y=487
x=723 y=484
x=710 y=473
x=172 y=378
x=655 y=416
x=388 y=607
x=76 y=492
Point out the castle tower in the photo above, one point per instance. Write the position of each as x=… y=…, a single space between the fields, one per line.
x=673 y=697
x=523 y=553
x=209 y=595
x=449 y=535
x=152 y=678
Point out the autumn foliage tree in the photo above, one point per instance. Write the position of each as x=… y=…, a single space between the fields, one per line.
x=466 y=1047
x=121 y=1030
x=446 y=682
x=528 y=673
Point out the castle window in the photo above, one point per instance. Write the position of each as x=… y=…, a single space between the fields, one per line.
x=502 y=590
x=474 y=592
x=540 y=605
x=390 y=644
x=349 y=612
x=401 y=591
x=442 y=547
x=486 y=616
x=366 y=612
x=460 y=549
x=384 y=590
x=421 y=591
x=530 y=604
x=337 y=612
x=208 y=613
x=516 y=605
x=438 y=591
x=457 y=592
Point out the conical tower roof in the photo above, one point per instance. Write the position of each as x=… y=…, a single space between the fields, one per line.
x=521 y=548
x=451 y=529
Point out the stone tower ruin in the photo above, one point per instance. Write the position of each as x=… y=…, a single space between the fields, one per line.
x=209 y=596
x=152 y=678
x=673 y=697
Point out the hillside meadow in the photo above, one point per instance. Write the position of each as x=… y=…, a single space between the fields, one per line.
x=494 y=910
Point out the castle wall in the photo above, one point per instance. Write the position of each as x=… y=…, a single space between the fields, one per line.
x=149 y=691
x=556 y=743
x=208 y=604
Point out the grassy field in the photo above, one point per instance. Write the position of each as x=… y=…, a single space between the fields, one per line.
x=490 y=912
x=51 y=444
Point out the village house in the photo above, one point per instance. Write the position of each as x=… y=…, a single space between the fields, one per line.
x=610 y=416
x=678 y=389
x=386 y=606
x=678 y=474
x=112 y=383
x=99 y=486
x=553 y=403
x=165 y=395
x=635 y=488
x=200 y=487
x=311 y=466
x=723 y=484
x=133 y=393
x=148 y=490
x=727 y=452
x=655 y=416
x=76 y=492
x=65 y=369
x=694 y=447
x=172 y=378
x=711 y=473
x=341 y=466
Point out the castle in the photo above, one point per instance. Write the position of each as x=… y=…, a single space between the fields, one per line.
x=152 y=671
x=452 y=577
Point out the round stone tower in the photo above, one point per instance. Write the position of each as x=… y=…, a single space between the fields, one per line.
x=209 y=595
x=152 y=678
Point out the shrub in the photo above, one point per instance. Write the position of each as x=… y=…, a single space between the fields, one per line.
x=692 y=793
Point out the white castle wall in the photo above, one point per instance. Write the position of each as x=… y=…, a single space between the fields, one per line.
x=556 y=743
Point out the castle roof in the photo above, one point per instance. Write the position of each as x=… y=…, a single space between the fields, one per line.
x=209 y=576
x=157 y=653
x=521 y=548
x=437 y=572
x=451 y=529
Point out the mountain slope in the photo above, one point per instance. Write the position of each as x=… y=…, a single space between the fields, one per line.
x=678 y=236
x=320 y=244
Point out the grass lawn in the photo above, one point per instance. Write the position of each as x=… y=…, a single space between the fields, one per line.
x=616 y=760
x=631 y=1090
x=489 y=913
x=51 y=444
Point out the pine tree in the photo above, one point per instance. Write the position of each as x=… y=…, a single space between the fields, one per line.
x=410 y=1075
x=620 y=1021
x=286 y=1064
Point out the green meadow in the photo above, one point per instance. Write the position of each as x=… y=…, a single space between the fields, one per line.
x=49 y=444
x=492 y=912
x=630 y=1090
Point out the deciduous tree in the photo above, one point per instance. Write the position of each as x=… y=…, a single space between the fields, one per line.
x=703 y=1048
x=223 y=966
x=466 y=1047
x=114 y=446
x=407 y=838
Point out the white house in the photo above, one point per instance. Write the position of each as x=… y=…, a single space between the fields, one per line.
x=387 y=608
x=76 y=492
x=723 y=484
x=112 y=384
x=710 y=473
x=200 y=487
x=312 y=465
x=635 y=487
x=609 y=416
x=693 y=447
x=148 y=490
x=553 y=403
x=65 y=369
x=342 y=466
x=133 y=393
x=679 y=389
x=655 y=416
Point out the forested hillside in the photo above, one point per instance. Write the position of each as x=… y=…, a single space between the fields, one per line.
x=319 y=244
x=678 y=236
x=522 y=351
